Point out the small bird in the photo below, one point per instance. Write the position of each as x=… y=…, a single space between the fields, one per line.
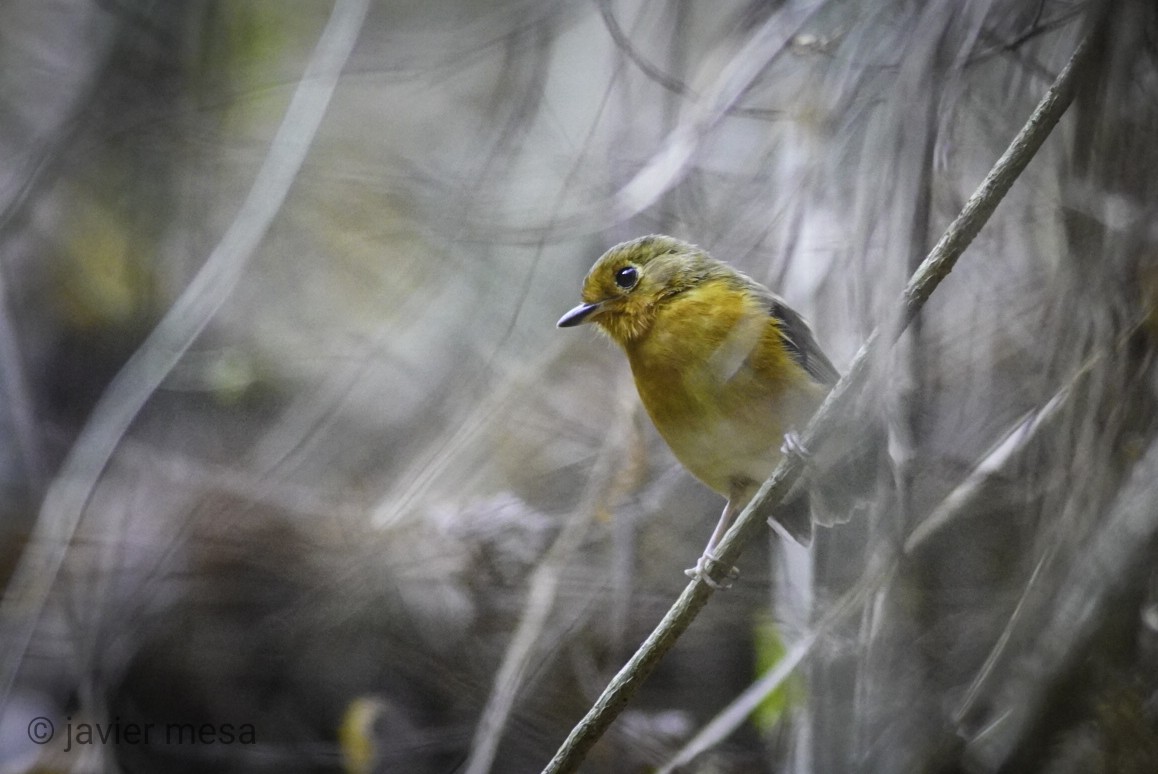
x=723 y=366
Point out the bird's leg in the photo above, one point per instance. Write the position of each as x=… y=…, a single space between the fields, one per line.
x=707 y=560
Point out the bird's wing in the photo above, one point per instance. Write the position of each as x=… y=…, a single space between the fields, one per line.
x=800 y=341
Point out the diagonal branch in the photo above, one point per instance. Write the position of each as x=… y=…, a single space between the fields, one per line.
x=924 y=281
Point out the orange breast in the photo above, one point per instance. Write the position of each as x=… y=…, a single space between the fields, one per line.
x=718 y=383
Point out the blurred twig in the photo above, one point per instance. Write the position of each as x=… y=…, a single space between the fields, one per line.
x=621 y=39
x=924 y=281
x=1121 y=551
x=668 y=166
x=69 y=492
x=730 y=718
x=18 y=401
x=668 y=82
x=1038 y=27
x=416 y=481
x=1028 y=429
x=543 y=590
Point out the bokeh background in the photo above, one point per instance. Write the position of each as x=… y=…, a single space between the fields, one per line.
x=288 y=438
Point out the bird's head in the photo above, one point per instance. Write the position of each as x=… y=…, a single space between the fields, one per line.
x=631 y=280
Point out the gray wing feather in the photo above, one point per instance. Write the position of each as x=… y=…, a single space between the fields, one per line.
x=801 y=342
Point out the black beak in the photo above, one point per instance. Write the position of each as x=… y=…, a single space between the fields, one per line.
x=577 y=315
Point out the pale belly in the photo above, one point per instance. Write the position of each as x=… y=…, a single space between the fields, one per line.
x=727 y=453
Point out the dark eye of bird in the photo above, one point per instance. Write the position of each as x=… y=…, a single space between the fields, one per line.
x=626 y=277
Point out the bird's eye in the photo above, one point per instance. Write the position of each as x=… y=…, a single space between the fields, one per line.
x=627 y=277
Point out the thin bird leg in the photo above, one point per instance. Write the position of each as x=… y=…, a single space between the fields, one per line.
x=734 y=505
x=731 y=508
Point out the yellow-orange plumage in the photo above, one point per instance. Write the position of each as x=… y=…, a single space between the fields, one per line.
x=720 y=386
x=724 y=368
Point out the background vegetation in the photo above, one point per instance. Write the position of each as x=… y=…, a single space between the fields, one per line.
x=288 y=437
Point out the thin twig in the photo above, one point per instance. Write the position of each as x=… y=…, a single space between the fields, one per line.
x=924 y=281
x=70 y=491
x=1118 y=558
x=623 y=43
x=527 y=641
x=669 y=165
x=419 y=477
x=992 y=466
x=670 y=83
x=1029 y=430
x=738 y=710
x=18 y=401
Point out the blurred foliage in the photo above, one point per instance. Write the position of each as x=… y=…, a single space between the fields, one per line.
x=769 y=647
x=381 y=478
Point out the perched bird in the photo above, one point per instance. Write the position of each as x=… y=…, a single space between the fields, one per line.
x=723 y=366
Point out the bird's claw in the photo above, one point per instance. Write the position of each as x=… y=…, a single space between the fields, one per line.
x=793 y=445
x=703 y=570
